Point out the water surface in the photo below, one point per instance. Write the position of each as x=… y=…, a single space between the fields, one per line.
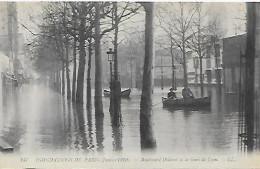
x=37 y=118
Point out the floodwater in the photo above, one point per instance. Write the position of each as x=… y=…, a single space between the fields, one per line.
x=37 y=118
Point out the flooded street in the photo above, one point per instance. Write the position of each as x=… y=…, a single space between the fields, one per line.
x=37 y=118
x=192 y=71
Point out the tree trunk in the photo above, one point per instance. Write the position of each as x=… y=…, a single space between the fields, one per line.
x=146 y=131
x=201 y=79
x=62 y=63
x=98 y=64
x=82 y=55
x=74 y=69
x=249 y=75
x=58 y=76
x=117 y=86
x=74 y=78
x=67 y=70
x=173 y=74
x=62 y=76
x=184 y=64
x=200 y=58
x=89 y=73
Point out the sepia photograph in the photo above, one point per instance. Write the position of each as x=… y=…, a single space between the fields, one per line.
x=118 y=84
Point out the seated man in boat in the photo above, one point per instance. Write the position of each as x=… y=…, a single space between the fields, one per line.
x=171 y=94
x=187 y=94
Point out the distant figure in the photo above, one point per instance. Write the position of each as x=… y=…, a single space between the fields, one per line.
x=171 y=94
x=187 y=93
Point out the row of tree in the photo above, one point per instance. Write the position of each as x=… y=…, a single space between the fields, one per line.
x=67 y=31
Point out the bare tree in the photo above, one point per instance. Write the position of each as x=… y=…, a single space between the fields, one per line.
x=176 y=23
x=67 y=45
x=83 y=34
x=75 y=40
x=127 y=10
x=200 y=39
x=216 y=24
x=58 y=25
x=52 y=27
x=146 y=132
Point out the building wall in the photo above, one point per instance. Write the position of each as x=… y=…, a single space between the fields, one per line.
x=4 y=39
x=233 y=48
x=9 y=36
x=3 y=18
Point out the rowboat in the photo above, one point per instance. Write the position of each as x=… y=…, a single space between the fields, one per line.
x=124 y=93
x=196 y=103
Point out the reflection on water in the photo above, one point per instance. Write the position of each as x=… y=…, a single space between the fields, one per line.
x=99 y=132
x=117 y=136
x=36 y=118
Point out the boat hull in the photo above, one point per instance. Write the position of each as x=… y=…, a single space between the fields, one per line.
x=197 y=103
x=124 y=94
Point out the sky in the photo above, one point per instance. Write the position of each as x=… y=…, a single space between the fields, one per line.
x=229 y=13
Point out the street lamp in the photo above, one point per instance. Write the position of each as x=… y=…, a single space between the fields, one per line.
x=110 y=57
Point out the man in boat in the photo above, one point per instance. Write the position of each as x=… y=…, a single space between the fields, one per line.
x=171 y=94
x=187 y=94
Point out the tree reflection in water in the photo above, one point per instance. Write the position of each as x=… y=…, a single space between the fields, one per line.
x=117 y=134
x=79 y=114
x=90 y=128
x=99 y=131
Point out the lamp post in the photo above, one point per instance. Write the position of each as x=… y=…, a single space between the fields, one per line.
x=110 y=57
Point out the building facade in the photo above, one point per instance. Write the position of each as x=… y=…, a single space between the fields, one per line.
x=9 y=36
x=233 y=50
